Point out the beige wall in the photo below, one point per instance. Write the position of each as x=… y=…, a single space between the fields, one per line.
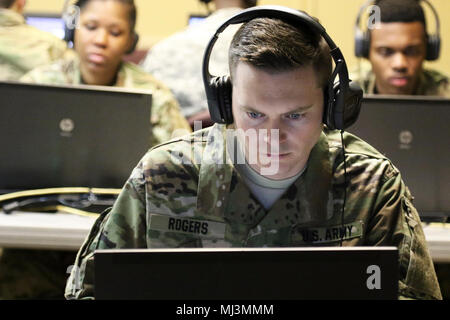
x=158 y=19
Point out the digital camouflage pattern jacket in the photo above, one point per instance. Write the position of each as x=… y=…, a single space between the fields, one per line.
x=23 y=47
x=186 y=193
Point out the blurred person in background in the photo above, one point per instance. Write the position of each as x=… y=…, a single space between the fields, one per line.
x=396 y=49
x=106 y=32
x=177 y=60
x=23 y=47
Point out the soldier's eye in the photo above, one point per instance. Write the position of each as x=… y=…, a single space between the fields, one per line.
x=115 y=33
x=412 y=51
x=294 y=116
x=254 y=115
x=90 y=26
x=385 y=52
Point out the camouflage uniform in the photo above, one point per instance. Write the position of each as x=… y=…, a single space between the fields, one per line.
x=180 y=183
x=23 y=47
x=431 y=82
x=177 y=60
x=166 y=118
x=26 y=274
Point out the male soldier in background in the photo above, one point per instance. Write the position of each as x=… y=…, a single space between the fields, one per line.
x=397 y=50
x=396 y=55
x=177 y=60
x=23 y=47
x=297 y=194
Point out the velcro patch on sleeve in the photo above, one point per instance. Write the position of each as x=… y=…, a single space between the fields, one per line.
x=329 y=234
x=194 y=227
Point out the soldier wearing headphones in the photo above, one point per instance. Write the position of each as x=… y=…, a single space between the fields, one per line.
x=396 y=48
x=23 y=47
x=102 y=34
x=276 y=170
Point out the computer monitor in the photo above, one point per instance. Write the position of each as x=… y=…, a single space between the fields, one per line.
x=412 y=131
x=247 y=274
x=52 y=23
x=71 y=136
x=196 y=18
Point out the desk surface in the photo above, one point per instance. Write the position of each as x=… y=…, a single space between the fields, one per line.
x=59 y=231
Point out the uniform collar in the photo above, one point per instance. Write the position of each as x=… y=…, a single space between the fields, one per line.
x=216 y=177
x=10 y=18
x=123 y=78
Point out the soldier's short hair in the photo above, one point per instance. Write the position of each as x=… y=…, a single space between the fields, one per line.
x=6 y=3
x=276 y=46
x=249 y=3
x=132 y=12
x=401 y=11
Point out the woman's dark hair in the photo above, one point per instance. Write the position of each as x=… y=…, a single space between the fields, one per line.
x=132 y=12
x=6 y=3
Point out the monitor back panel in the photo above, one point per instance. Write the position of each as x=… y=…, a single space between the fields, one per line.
x=246 y=274
x=413 y=133
x=70 y=137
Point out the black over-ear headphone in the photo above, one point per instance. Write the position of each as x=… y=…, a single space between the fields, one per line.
x=362 y=38
x=71 y=15
x=343 y=98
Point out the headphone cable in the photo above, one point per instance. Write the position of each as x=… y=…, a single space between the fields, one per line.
x=345 y=187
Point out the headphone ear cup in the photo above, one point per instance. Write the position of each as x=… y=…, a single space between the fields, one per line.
x=352 y=104
x=225 y=98
x=433 y=47
x=331 y=104
x=134 y=45
x=341 y=109
x=362 y=44
x=70 y=17
x=327 y=107
x=69 y=35
x=366 y=44
x=219 y=100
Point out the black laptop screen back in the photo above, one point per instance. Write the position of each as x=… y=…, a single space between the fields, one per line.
x=284 y=274
x=413 y=133
x=70 y=137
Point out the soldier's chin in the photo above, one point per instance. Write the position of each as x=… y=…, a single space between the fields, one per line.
x=96 y=66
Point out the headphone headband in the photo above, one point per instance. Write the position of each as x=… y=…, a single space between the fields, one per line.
x=340 y=98
x=277 y=12
x=362 y=39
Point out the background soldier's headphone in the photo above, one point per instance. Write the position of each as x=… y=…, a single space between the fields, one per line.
x=362 y=38
x=342 y=99
x=71 y=15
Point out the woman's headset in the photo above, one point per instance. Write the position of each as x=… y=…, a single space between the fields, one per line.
x=362 y=38
x=343 y=98
x=71 y=16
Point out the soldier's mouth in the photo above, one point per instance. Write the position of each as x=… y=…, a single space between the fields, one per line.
x=96 y=58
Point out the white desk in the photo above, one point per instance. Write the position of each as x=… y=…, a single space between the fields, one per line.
x=438 y=240
x=57 y=231
x=67 y=232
